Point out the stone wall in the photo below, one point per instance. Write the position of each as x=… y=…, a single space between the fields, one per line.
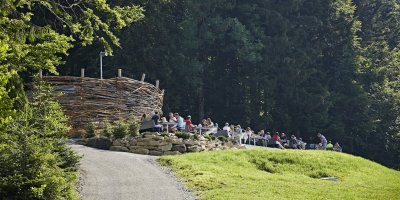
x=157 y=145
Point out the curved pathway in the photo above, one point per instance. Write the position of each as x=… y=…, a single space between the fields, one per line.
x=107 y=175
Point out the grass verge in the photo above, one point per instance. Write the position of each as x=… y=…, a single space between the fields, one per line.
x=287 y=174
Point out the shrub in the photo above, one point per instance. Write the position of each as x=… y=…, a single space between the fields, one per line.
x=195 y=137
x=183 y=135
x=120 y=129
x=107 y=128
x=90 y=130
x=210 y=137
x=222 y=139
x=133 y=127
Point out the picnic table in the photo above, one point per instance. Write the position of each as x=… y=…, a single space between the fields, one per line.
x=167 y=124
x=203 y=128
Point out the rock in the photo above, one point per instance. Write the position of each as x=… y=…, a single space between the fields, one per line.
x=117 y=142
x=119 y=148
x=81 y=141
x=99 y=142
x=134 y=147
x=148 y=143
x=172 y=153
x=179 y=147
x=191 y=142
x=158 y=137
x=144 y=139
x=151 y=136
x=155 y=153
x=140 y=151
x=210 y=146
x=202 y=138
x=173 y=140
x=133 y=142
x=194 y=149
x=166 y=147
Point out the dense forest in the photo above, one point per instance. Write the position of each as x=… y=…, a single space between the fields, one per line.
x=295 y=66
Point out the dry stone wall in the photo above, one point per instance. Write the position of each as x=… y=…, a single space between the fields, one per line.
x=158 y=145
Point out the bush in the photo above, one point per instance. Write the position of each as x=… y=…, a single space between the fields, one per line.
x=90 y=130
x=133 y=127
x=120 y=129
x=195 y=137
x=107 y=129
x=222 y=139
x=183 y=135
x=36 y=162
x=210 y=137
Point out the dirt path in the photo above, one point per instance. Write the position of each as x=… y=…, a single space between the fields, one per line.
x=107 y=175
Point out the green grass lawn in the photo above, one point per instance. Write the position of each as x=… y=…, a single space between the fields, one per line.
x=284 y=174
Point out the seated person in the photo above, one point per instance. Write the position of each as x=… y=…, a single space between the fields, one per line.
x=301 y=144
x=210 y=124
x=189 y=124
x=276 y=138
x=181 y=123
x=293 y=142
x=172 y=119
x=283 y=139
x=267 y=137
x=227 y=128
x=156 y=119
x=337 y=147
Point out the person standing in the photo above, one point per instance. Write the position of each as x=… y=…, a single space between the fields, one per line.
x=324 y=142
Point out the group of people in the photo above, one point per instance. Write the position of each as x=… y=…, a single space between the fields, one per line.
x=178 y=123
x=242 y=136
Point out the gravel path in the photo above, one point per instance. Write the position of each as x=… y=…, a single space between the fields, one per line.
x=107 y=175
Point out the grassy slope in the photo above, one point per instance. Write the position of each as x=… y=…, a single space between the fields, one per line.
x=284 y=174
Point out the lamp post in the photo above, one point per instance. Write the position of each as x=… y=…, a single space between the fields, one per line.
x=101 y=62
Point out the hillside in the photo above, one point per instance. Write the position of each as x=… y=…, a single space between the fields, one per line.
x=288 y=174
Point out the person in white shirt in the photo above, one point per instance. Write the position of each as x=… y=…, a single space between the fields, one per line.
x=247 y=135
x=227 y=128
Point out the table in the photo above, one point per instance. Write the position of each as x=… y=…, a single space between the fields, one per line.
x=167 y=124
x=203 y=128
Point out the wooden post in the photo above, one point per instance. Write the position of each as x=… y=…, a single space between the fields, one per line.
x=157 y=83
x=143 y=76
x=40 y=73
x=119 y=73
x=82 y=72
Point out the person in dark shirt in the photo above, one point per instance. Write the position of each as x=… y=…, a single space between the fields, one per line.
x=156 y=119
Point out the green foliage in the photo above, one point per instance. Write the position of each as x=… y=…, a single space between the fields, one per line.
x=35 y=161
x=210 y=137
x=195 y=137
x=222 y=139
x=247 y=174
x=107 y=129
x=90 y=130
x=183 y=135
x=120 y=129
x=134 y=127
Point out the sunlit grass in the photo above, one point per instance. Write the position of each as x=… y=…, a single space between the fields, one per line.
x=284 y=174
